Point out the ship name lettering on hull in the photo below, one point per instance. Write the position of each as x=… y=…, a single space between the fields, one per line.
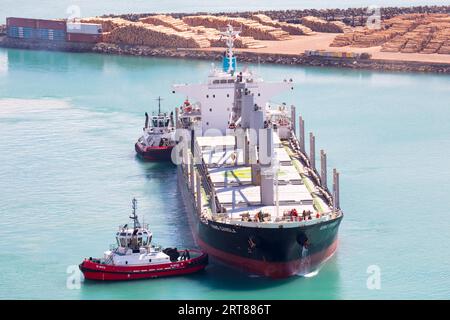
x=220 y=228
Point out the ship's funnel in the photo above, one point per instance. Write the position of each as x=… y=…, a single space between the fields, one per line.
x=229 y=60
x=229 y=63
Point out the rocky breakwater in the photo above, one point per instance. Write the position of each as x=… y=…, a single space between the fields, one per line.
x=252 y=57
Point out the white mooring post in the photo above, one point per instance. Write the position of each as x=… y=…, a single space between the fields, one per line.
x=301 y=127
x=191 y=171
x=213 y=203
x=323 y=168
x=338 y=205
x=312 y=150
x=199 y=193
x=334 y=190
x=176 y=117
x=293 y=120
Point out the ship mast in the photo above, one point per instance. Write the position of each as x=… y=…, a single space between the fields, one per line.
x=230 y=35
x=134 y=216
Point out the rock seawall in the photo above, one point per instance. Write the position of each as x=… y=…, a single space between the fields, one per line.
x=302 y=60
x=243 y=57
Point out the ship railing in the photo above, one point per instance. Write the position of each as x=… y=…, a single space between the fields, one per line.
x=325 y=216
x=311 y=171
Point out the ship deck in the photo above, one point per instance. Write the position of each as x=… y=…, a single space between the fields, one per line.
x=232 y=183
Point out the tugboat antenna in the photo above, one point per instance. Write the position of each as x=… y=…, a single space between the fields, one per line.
x=134 y=216
x=159 y=105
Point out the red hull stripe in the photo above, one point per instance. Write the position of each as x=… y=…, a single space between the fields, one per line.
x=271 y=269
x=154 y=153
x=99 y=275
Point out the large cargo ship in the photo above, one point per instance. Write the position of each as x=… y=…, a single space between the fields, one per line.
x=254 y=197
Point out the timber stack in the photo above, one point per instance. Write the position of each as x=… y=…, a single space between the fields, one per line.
x=320 y=25
x=250 y=28
x=291 y=28
x=166 y=21
x=164 y=31
x=139 y=33
x=409 y=33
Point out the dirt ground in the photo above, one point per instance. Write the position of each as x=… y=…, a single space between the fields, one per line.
x=298 y=44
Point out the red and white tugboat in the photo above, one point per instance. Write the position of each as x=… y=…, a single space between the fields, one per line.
x=135 y=257
x=159 y=137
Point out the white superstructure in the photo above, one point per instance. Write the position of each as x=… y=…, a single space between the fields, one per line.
x=215 y=98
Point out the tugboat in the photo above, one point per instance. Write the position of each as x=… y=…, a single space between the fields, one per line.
x=158 y=139
x=135 y=257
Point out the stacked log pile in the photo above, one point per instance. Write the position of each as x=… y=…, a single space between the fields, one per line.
x=320 y=25
x=343 y=40
x=417 y=39
x=154 y=29
x=167 y=21
x=417 y=33
x=250 y=28
x=409 y=33
x=440 y=41
x=108 y=24
x=138 y=33
x=395 y=45
x=292 y=29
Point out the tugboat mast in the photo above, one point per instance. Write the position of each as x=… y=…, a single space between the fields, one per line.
x=159 y=105
x=134 y=216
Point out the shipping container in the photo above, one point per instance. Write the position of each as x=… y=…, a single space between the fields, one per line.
x=51 y=34
x=80 y=37
x=20 y=32
x=51 y=24
x=84 y=28
x=21 y=22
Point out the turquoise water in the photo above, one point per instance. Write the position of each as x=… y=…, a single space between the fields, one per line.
x=84 y=8
x=68 y=172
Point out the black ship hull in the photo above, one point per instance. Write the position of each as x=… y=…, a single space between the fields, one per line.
x=271 y=252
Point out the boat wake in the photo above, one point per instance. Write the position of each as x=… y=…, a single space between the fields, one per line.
x=309 y=275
